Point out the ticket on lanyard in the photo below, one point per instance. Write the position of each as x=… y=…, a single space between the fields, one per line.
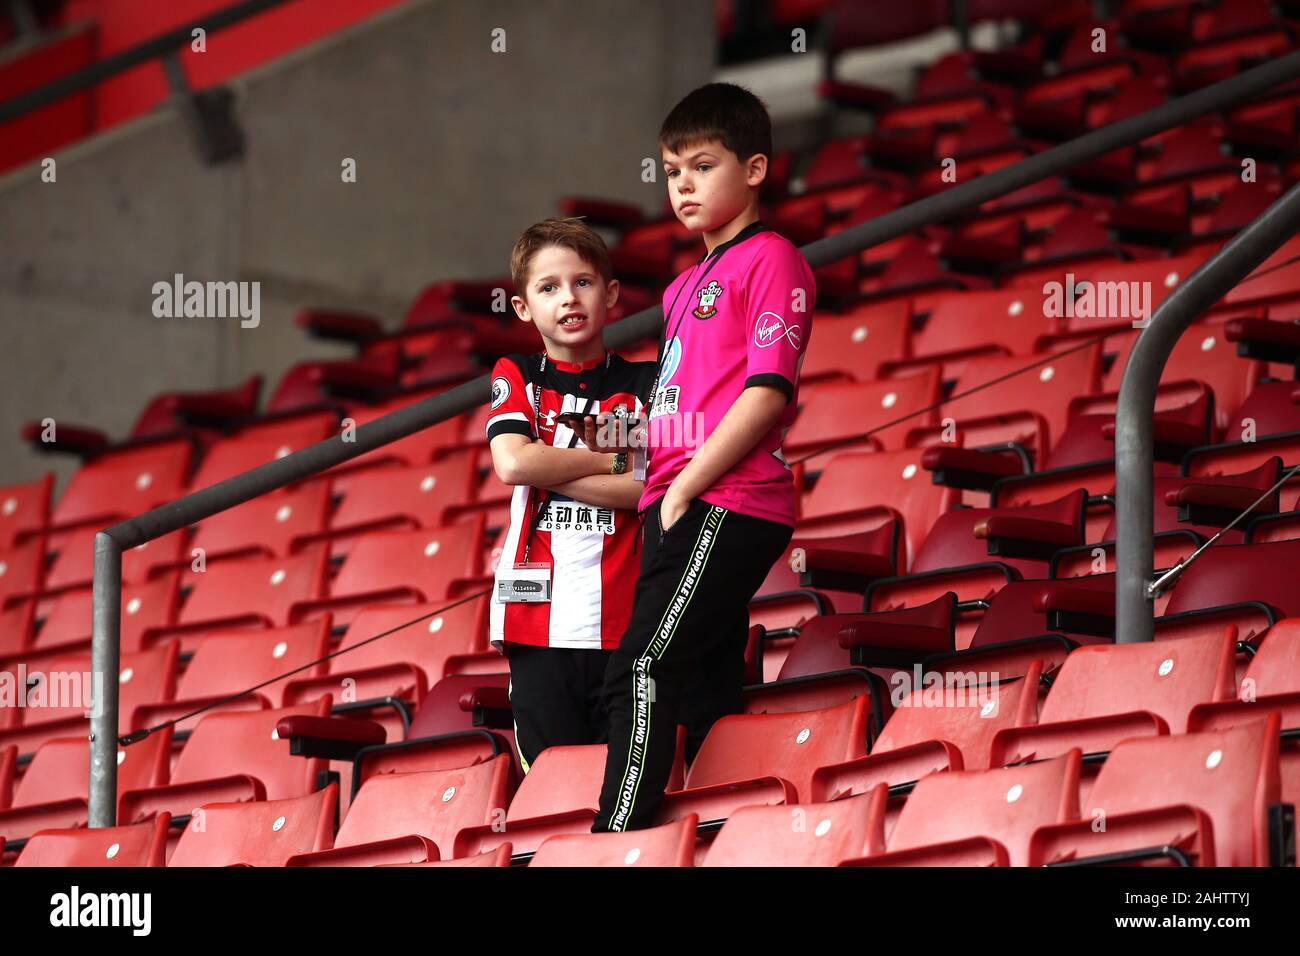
x=638 y=463
x=524 y=583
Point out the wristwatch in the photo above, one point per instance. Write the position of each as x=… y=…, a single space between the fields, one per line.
x=619 y=464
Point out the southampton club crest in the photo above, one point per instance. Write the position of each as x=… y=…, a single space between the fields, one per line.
x=707 y=296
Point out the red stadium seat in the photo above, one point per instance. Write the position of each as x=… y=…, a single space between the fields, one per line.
x=52 y=793
x=935 y=727
x=22 y=571
x=24 y=509
x=226 y=663
x=230 y=757
x=1204 y=798
x=401 y=567
x=1105 y=693
x=262 y=833
x=790 y=747
x=144 y=844
x=59 y=706
x=1000 y=810
x=855 y=344
x=252 y=592
x=811 y=834
x=406 y=663
x=413 y=817
x=148 y=608
x=416 y=497
x=838 y=412
x=670 y=844
x=122 y=484
x=270 y=526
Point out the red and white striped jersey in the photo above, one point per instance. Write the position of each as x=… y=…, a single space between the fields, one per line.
x=593 y=551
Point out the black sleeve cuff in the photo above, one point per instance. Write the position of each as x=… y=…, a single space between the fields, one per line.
x=779 y=382
x=511 y=426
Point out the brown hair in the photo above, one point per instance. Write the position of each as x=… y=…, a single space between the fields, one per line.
x=568 y=233
x=725 y=112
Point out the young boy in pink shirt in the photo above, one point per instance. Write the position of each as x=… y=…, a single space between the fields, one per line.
x=719 y=498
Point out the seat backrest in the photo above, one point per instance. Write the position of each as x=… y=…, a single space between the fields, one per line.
x=247 y=742
x=67 y=684
x=1006 y=805
x=262 y=833
x=839 y=410
x=22 y=569
x=60 y=768
x=1231 y=573
x=894 y=478
x=857 y=342
x=1046 y=389
x=436 y=804
x=416 y=449
x=1270 y=408
x=1232 y=775
x=226 y=662
x=427 y=643
x=124 y=483
x=142 y=844
x=151 y=604
x=24 y=507
x=1167 y=678
x=266 y=586
x=421 y=492
x=967 y=713
x=1202 y=353
x=268 y=523
x=1012 y=318
x=240 y=453
x=1161 y=275
x=426 y=560
x=559 y=780
x=672 y=844
x=812 y=834
x=1275 y=668
x=790 y=746
x=17 y=625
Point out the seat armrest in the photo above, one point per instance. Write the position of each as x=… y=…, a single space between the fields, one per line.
x=857 y=96
x=354 y=327
x=82 y=441
x=966 y=468
x=332 y=738
x=1266 y=339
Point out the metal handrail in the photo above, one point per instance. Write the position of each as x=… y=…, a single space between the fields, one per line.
x=1136 y=404
x=109 y=543
x=154 y=47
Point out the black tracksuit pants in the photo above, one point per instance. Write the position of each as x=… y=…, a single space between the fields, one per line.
x=682 y=658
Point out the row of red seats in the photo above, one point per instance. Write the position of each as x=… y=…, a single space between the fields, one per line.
x=1224 y=764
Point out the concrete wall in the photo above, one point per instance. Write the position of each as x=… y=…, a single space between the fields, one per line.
x=457 y=149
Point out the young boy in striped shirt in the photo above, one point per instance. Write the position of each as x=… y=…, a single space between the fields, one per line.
x=572 y=515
